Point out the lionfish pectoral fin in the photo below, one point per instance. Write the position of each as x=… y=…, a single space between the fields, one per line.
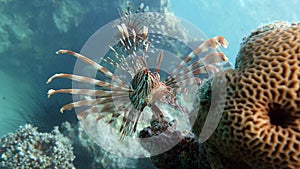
x=125 y=130
x=222 y=41
x=129 y=123
x=51 y=92
x=114 y=116
x=212 y=43
x=215 y=57
x=94 y=64
x=82 y=115
x=136 y=121
x=110 y=121
x=215 y=42
x=157 y=112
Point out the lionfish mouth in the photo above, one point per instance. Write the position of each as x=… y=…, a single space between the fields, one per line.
x=145 y=88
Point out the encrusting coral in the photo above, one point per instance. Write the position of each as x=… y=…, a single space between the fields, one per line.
x=260 y=126
x=28 y=148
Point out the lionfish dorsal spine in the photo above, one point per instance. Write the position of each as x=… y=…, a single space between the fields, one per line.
x=130 y=54
x=159 y=61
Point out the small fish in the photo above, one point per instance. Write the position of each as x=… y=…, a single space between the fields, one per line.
x=146 y=87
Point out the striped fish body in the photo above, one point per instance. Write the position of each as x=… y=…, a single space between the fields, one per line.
x=145 y=88
x=142 y=86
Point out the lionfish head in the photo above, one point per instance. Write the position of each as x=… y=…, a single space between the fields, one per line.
x=146 y=88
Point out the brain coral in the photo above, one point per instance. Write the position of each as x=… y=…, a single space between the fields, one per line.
x=260 y=126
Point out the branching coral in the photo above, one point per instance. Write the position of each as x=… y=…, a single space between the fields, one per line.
x=27 y=148
x=260 y=126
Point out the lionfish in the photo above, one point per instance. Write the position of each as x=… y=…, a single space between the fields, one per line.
x=146 y=88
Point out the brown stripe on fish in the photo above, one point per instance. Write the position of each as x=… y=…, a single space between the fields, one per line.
x=215 y=57
x=103 y=111
x=212 y=43
x=89 y=92
x=90 y=102
x=87 y=80
x=102 y=69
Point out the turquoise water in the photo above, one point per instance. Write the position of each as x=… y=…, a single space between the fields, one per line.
x=234 y=19
x=31 y=32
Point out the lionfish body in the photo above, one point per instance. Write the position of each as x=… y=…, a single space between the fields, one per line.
x=146 y=88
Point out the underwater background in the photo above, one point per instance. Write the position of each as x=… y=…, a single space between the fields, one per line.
x=32 y=31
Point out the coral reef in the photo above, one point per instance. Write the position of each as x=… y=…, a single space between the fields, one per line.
x=31 y=32
x=188 y=153
x=30 y=35
x=260 y=126
x=147 y=91
x=37 y=29
x=28 y=148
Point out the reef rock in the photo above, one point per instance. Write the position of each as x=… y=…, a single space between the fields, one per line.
x=260 y=126
x=28 y=148
x=188 y=153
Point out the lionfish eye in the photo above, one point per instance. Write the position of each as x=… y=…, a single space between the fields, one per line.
x=119 y=101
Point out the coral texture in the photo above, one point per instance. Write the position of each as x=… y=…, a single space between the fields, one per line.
x=28 y=148
x=260 y=126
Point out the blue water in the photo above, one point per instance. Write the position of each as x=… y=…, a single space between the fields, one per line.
x=31 y=32
x=234 y=19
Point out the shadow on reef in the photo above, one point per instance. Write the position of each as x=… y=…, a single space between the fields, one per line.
x=188 y=153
